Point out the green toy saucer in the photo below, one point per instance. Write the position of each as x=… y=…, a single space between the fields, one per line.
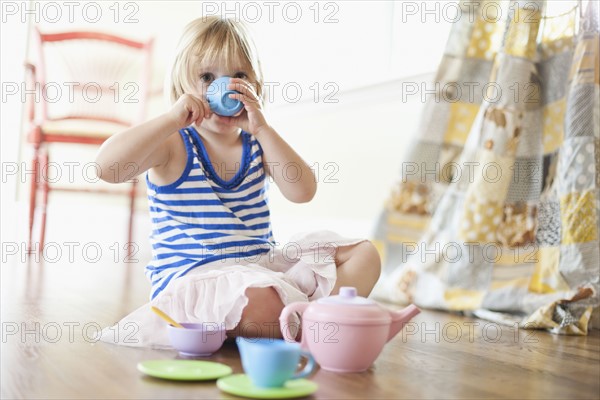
x=184 y=370
x=240 y=385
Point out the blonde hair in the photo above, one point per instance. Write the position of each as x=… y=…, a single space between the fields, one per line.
x=212 y=40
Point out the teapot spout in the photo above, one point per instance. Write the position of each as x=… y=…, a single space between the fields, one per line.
x=400 y=318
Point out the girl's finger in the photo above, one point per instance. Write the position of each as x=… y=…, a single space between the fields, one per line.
x=201 y=110
x=248 y=102
x=191 y=119
x=192 y=113
x=206 y=108
x=198 y=114
x=243 y=87
x=236 y=81
x=241 y=98
x=199 y=104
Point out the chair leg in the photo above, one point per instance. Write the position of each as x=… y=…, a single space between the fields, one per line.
x=132 y=193
x=33 y=196
x=45 y=190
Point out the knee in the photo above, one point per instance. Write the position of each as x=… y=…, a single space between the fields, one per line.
x=361 y=269
x=372 y=258
x=366 y=256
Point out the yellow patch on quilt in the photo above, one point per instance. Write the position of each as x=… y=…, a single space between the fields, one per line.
x=486 y=36
x=585 y=67
x=516 y=283
x=402 y=239
x=578 y=216
x=480 y=220
x=408 y=221
x=461 y=119
x=547 y=278
x=518 y=255
x=522 y=33
x=463 y=299
x=552 y=125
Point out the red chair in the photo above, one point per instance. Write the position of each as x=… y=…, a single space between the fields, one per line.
x=103 y=81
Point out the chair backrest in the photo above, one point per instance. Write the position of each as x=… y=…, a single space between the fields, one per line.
x=93 y=75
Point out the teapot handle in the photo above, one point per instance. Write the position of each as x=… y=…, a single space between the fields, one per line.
x=284 y=319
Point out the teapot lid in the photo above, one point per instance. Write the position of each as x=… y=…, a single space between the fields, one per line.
x=347 y=308
x=347 y=296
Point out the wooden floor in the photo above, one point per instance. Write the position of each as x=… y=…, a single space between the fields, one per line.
x=50 y=312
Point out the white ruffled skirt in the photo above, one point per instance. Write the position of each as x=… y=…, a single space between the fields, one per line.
x=302 y=270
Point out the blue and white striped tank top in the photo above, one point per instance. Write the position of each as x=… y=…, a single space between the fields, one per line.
x=201 y=218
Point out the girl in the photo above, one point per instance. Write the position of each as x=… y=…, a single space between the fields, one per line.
x=214 y=255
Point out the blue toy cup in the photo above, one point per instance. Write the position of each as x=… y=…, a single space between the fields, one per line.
x=272 y=362
x=218 y=98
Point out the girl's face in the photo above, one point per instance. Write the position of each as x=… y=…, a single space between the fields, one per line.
x=205 y=75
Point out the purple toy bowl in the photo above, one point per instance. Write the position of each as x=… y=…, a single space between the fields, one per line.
x=197 y=339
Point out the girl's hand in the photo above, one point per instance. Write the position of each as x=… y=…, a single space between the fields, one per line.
x=252 y=119
x=189 y=109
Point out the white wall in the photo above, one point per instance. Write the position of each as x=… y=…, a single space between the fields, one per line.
x=364 y=138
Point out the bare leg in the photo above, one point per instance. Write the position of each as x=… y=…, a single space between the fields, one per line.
x=359 y=266
x=260 y=317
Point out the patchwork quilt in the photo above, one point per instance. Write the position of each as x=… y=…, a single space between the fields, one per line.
x=496 y=211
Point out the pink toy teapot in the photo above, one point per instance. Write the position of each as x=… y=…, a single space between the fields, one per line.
x=345 y=333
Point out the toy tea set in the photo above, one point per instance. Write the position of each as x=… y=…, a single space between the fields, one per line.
x=342 y=333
